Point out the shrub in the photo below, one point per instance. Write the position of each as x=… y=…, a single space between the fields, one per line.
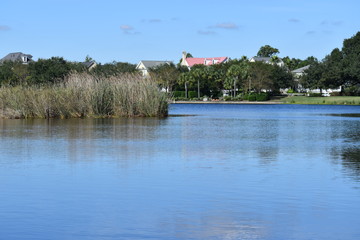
x=315 y=95
x=352 y=91
x=335 y=94
x=251 y=97
x=262 y=97
x=179 y=94
x=227 y=98
x=290 y=91
x=192 y=94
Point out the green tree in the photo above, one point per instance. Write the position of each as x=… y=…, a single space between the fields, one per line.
x=267 y=51
x=186 y=79
x=88 y=59
x=281 y=78
x=313 y=76
x=237 y=74
x=114 y=69
x=46 y=71
x=6 y=73
x=165 y=75
x=198 y=73
x=260 y=77
x=295 y=63
x=332 y=76
x=351 y=60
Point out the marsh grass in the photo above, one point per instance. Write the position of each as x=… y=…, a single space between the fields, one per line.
x=84 y=95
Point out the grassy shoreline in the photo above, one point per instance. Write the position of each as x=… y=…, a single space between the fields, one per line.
x=338 y=100
x=84 y=95
x=341 y=100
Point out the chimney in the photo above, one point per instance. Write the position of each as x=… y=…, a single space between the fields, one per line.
x=183 y=59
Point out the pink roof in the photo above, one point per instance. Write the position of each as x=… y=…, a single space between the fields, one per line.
x=205 y=61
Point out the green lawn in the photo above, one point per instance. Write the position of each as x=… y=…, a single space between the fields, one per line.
x=321 y=100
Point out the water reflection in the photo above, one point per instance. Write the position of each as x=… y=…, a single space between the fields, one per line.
x=83 y=139
x=219 y=172
x=351 y=162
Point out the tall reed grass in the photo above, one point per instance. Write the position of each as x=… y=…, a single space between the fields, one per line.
x=85 y=95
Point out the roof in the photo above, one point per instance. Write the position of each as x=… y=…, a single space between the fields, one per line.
x=151 y=64
x=205 y=61
x=300 y=70
x=88 y=64
x=261 y=59
x=17 y=56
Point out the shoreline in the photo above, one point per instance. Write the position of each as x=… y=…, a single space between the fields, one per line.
x=226 y=102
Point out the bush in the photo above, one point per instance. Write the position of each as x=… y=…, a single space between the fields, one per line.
x=227 y=98
x=262 y=97
x=352 y=91
x=179 y=94
x=335 y=94
x=251 y=97
x=257 y=97
x=290 y=91
x=192 y=94
x=315 y=95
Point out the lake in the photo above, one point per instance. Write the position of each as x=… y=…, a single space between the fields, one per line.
x=208 y=171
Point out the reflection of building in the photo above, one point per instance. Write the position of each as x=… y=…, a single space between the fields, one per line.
x=190 y=61
x=17 y=57
x=145 y=66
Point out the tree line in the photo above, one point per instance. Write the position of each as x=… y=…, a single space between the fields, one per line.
x=340 y=68
x=236 y=76
x=54 y=70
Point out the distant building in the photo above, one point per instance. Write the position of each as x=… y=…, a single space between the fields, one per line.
x=298 y=73
x=17 y=57
x=145 y=66
x=190 y=62
x=89 y=65
x=268 y=60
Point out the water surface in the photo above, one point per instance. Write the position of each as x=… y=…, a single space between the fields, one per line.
x=207 y=172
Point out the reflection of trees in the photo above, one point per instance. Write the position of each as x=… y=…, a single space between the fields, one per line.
x=351 y=162
x=349 y=150
x=83 y=139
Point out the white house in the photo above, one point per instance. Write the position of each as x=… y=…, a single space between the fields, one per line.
x=17 y=57
x=89 y=65
x=145 y=66
x=268 y=60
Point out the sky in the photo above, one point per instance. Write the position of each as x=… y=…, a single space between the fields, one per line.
x=131 y=31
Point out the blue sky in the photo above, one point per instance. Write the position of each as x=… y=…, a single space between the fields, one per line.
x=130 y=31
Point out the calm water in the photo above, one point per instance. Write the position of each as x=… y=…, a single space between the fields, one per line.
x=207 y=172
